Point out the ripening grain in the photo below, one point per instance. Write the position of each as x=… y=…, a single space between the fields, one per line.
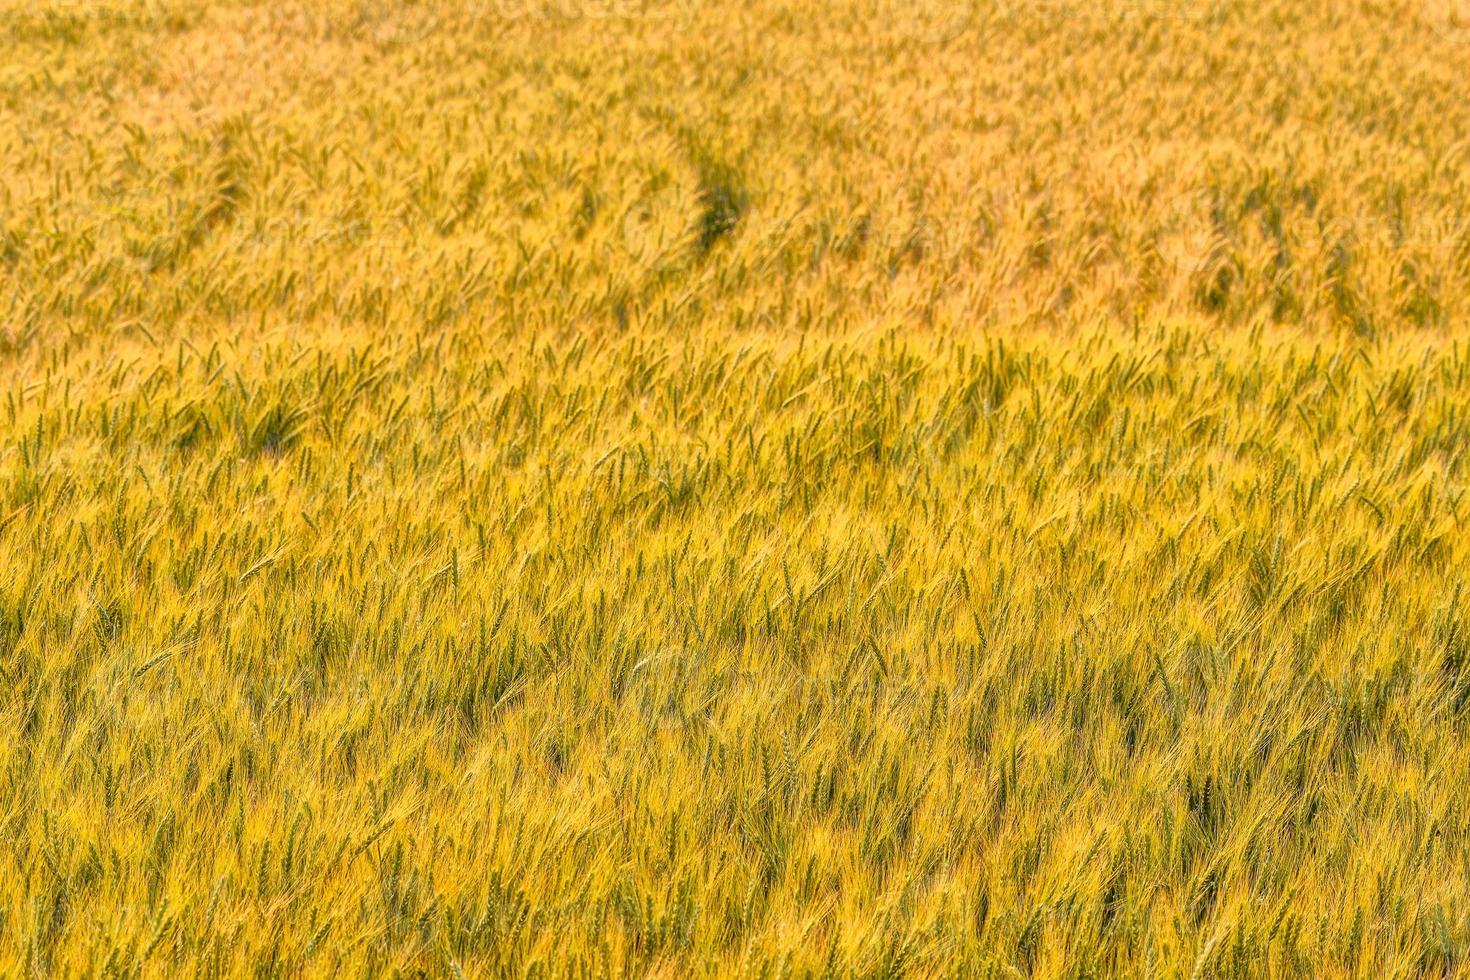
x=698 y=488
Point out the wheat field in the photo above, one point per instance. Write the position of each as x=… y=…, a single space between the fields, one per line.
x=663 y=488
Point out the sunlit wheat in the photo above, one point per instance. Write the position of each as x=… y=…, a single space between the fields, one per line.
x=700 y=488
